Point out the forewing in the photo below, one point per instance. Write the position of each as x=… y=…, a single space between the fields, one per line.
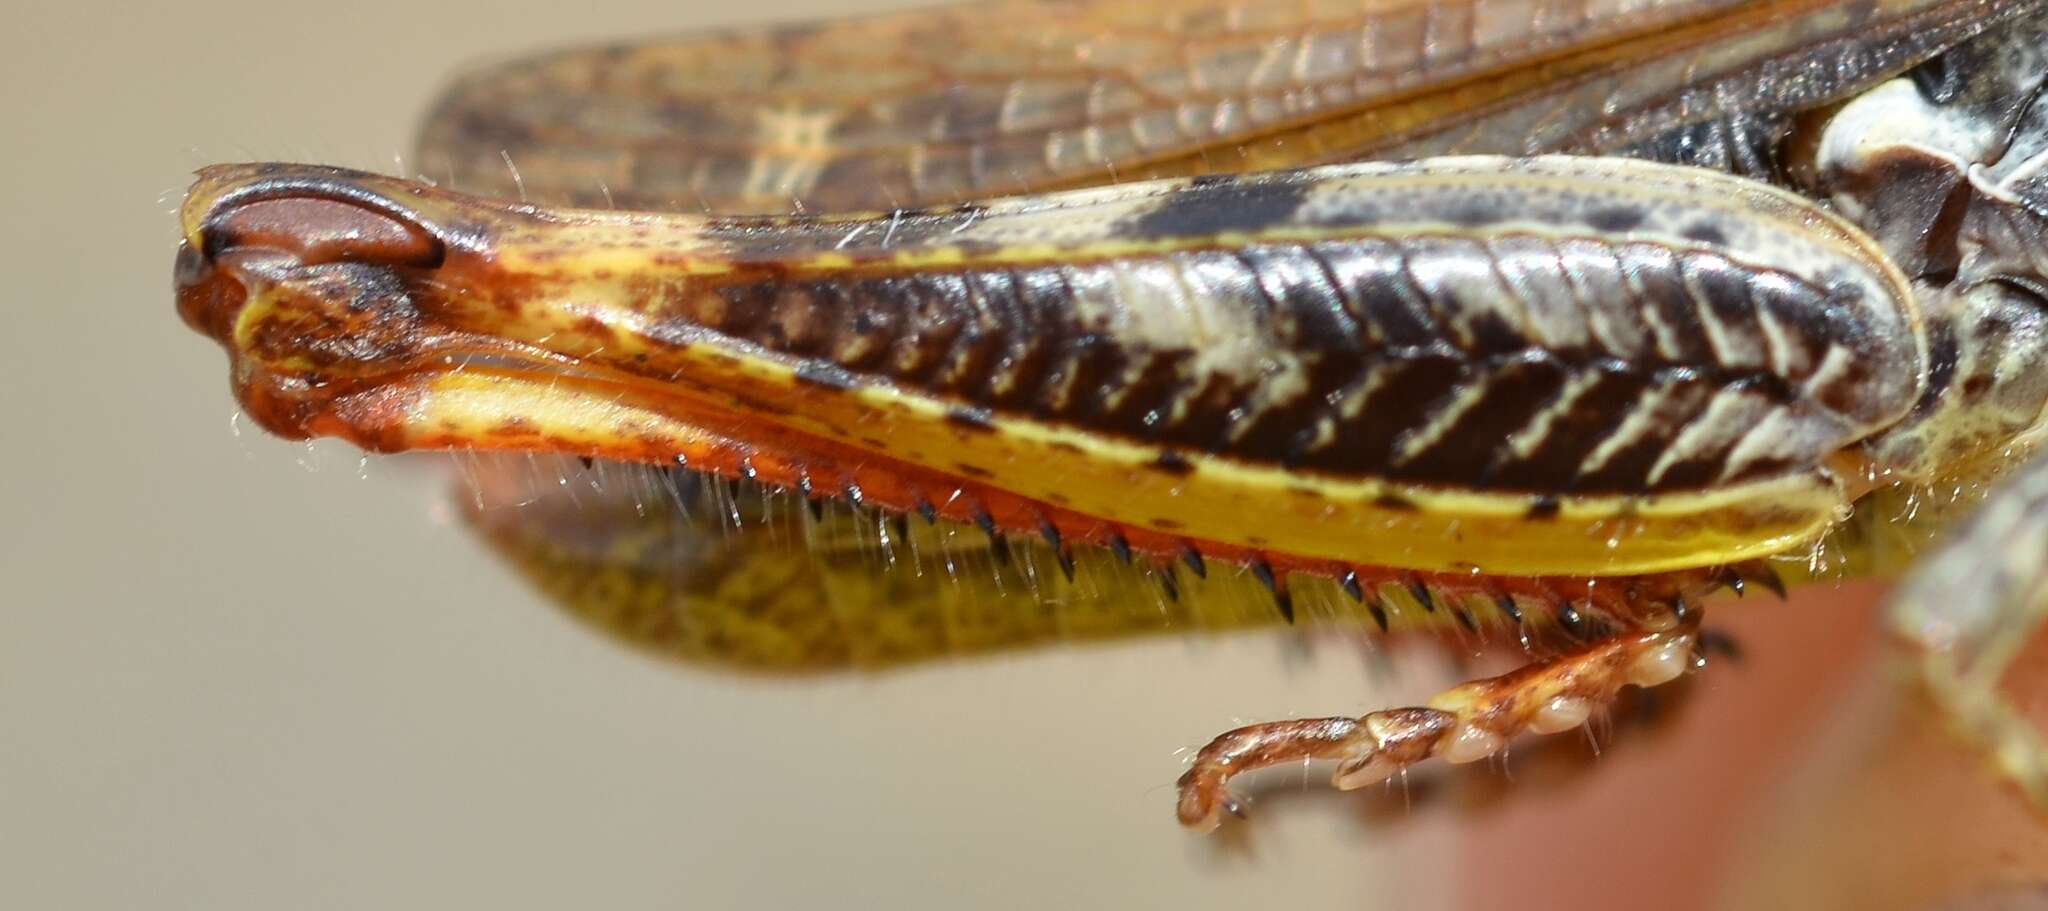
x=933 y=106
x=936 y=105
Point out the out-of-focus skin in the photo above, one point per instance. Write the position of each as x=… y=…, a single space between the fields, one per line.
x=1888 y=808
x=1670 y=800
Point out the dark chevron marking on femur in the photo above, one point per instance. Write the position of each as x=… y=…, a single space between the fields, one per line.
x=1514 y=362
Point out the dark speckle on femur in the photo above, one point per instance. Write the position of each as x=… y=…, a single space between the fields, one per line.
x=1706 y=233
x=1615 y=218
x=1209 y=209
x=1474 y=213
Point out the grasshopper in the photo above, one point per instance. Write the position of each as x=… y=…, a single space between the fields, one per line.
x=1575 y=310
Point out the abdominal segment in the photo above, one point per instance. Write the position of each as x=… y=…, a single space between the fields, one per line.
x=1505 y=367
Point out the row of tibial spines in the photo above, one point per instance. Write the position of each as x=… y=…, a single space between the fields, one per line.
x=1574 y=609
x=1579 y=617
x=1465 y=723
x=1580 y=614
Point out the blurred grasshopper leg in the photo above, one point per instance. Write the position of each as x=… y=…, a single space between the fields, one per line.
x=1972 y=605
x=1465 y=723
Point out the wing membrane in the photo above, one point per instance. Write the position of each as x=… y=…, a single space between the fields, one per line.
x=933 y=106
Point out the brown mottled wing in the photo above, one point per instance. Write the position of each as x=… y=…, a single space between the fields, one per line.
x=938 y=105
x=935 y=105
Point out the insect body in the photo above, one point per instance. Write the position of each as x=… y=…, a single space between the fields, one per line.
x=1800 y=258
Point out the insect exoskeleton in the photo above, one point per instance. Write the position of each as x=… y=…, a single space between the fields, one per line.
x=1584 y=389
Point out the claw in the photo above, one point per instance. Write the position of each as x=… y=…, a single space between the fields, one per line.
x=1762 y=574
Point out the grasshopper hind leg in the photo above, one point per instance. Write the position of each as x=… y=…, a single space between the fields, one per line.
x=1972 y=606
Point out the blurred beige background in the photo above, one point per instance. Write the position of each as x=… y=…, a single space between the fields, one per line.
x=242 y=673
